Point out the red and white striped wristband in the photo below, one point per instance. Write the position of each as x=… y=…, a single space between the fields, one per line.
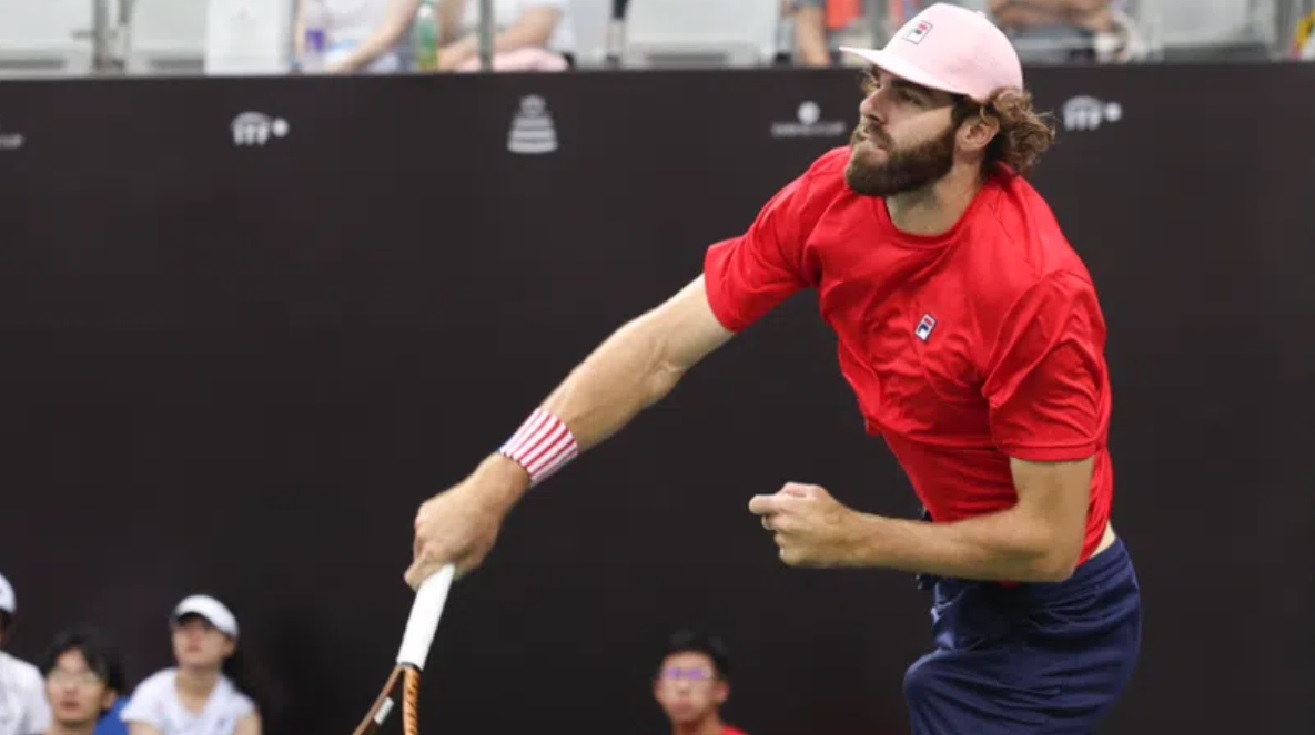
x=542 y=445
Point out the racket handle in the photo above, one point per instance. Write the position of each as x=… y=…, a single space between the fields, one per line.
x=423 y=622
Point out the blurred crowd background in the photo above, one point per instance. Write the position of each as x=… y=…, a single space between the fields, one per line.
x=80 y=685
x=136 y=37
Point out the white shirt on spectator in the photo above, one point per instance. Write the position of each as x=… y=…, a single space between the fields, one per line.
x=507 y=12
x=156 y=703
x=23 y=706
x=353 y=21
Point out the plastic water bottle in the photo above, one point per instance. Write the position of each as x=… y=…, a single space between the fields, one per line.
x=425 y=37
x=316 y=41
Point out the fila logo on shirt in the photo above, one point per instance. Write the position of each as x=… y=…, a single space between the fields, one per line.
x=925 y=327
x=918 y=32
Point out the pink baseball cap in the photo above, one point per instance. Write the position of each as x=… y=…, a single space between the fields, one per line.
x=950 y=48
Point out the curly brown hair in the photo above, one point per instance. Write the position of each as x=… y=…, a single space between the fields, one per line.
x=1024 y=133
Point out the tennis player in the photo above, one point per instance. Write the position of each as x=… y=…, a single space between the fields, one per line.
x=971 y=334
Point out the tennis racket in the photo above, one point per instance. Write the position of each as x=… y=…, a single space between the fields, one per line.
x=404 y=682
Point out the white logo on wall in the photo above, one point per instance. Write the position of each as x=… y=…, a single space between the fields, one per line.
x=532 y=130
x=10 y=141
x=1088 y=113
x=256 y=128
x=810 y=124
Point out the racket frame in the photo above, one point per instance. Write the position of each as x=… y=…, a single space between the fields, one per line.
x=404 y=681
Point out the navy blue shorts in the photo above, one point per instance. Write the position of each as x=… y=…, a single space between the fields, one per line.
x=1041 y=659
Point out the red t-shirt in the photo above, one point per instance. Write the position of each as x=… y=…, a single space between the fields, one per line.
x=963 y=349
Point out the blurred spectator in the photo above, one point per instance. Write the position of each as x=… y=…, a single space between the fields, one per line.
x=111 y=723
x=363 y=35
x=1303 y=42
x=23 y=707
x=818 y=23
x=1055 y=31
x=812 y=45
x=84 y=681
x=206 y=693
x=530 y=35
x=693 y=682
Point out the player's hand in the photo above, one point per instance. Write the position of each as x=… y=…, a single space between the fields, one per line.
x=459 y=525
x=811 y=529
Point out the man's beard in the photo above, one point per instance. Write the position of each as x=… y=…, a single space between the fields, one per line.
x=903 y=170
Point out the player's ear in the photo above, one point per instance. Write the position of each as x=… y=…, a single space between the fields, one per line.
x=978 y=129
x=723 y=692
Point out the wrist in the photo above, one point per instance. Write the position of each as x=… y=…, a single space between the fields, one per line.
x=541 y=446
x=494 y=487
x=507 y=480
x=866 y=532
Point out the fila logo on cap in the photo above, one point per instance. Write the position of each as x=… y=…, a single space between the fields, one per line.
x=925 y=327
x=918 y=32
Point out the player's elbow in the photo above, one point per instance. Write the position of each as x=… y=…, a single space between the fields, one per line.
x=639 y=351
x=1055 y=569
x=661 y=381
x=675 y=337
x=1057 y=560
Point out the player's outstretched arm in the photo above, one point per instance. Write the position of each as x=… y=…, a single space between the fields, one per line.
x=637 y=366
x=631 y=370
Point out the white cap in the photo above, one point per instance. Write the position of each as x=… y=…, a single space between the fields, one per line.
x=8 y=603
x=210 y=609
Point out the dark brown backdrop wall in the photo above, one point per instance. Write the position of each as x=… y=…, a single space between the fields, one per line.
x=239 y=368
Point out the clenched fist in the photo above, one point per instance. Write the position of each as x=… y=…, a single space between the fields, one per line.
x=811 y=528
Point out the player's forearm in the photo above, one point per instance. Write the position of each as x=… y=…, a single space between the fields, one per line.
x=1004 y=546
x=627 y=373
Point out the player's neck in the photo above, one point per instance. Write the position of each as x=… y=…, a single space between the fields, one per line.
x=935 y=209
x=710 y=725
x=57 y=728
